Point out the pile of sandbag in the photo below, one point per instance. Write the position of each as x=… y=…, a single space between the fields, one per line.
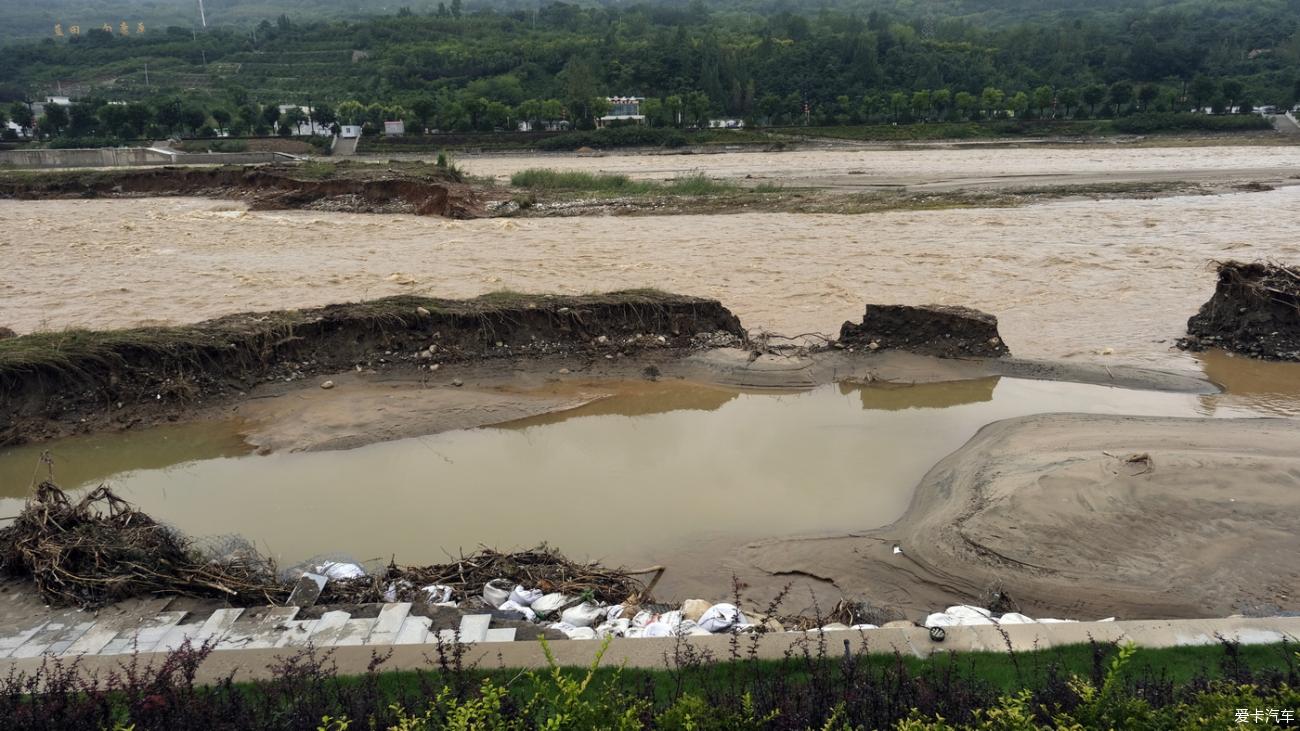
x=965 y=615
x=588 y=619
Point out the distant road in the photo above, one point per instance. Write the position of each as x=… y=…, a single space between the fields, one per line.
x=1284 y=124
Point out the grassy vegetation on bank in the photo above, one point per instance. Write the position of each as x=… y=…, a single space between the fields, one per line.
x=817 y=685
x=564 y=181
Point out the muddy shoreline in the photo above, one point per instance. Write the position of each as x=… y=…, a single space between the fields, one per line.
x=1079 y=516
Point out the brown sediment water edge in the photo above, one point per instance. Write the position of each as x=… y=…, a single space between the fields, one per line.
x=668 y=472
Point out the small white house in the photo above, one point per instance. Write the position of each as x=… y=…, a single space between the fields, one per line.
x=726 y=124
x=395 y=128
x=349 y=131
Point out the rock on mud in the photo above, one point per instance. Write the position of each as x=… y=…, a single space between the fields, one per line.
x=6 y=333
x=1255 y=310
x=938 y=330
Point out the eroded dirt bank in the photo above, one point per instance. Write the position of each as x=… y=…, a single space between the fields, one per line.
x=1081 y=516
x=418 y=190
x=73 y=381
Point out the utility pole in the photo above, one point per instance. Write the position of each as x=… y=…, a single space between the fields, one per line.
x=203 y=18
x=146 y=75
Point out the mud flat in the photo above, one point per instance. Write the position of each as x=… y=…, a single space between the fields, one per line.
x=1083 y=516
x=422 y=190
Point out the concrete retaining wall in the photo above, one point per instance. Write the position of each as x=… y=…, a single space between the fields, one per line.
x=130 y=156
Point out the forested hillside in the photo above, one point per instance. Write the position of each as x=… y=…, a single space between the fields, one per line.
x=484 y=66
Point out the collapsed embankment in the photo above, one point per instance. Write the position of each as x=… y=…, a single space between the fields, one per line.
x=57 y=383
x=1255 y=310
x=339 y=187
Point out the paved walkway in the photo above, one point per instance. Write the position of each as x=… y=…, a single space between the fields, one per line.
x=247 y=645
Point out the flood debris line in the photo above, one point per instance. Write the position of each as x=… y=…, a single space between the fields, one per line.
x=943 y=331
x=1255 y=310
x=426 y=191
x=543 y=568
x=98 y=550
x=76 y=380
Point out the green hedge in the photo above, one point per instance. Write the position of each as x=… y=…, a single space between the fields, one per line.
x=1185 y=122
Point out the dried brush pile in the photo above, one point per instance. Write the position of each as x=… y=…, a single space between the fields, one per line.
x=541 y=568
x=99 y=550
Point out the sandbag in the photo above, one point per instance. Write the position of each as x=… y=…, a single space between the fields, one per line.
x=694 y=609
x=582 y=615
x=338 y=570
x=496 y=592
x=1015 y=618
x=721 y=617
x=512 y=606
x=549 y=604
x=436 y=593
x=524 y=597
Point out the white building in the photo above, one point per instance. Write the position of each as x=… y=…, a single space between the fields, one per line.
x=623 y=109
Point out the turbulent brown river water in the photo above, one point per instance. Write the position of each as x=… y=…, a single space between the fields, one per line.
x=1067 y=279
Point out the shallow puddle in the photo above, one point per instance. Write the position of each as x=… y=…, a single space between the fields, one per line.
x=660 y=472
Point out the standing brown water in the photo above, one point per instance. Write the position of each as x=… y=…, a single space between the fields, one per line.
x=1067 y=279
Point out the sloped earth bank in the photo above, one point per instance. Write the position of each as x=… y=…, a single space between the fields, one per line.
x=1081 y=516
x=1255 y=310
x=71 y=381
x=353 y=190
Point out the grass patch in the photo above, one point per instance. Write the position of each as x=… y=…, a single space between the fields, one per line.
x=566 y=181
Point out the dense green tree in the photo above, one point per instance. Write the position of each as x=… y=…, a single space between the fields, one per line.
x=222 y=117
x=1232 y=90
x=1068 y=99
x=991 y=100
x=967 y=103
x=1019 y=104
x=1147 y=95
x=424 y=108
x=1043 y=99
x=1202 y=90
x=1121 y=94
x=55 y=120
x=21 y=114
x=1092 y=96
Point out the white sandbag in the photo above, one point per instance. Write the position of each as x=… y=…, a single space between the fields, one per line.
x=512 y=606
x=835 y=627
x=549 y=604
x=392 y=590
x=1015 y=618
x=574 y=633
x=436 y=593
x=642 y=618
x=496 y=592
x=966 y=610
x=338 y=570
x=671 y=618
x=944 y=619
x=524 y=597
x=721 y=617
x=689 y=628
x=615 y=612
x=657 y=629
x=582 y=615
x=1049 y=620
x=862 y=626
x=614 y=627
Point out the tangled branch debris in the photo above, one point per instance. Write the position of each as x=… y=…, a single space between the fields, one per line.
x=543 y=568
x=99 y=550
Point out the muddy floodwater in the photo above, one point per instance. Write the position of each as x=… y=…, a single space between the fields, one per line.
x=1113 y=279
x=659 y=472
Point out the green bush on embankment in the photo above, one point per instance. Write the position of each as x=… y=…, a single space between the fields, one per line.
x=820 y=684
x=572 y=181
x=1182 y=122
